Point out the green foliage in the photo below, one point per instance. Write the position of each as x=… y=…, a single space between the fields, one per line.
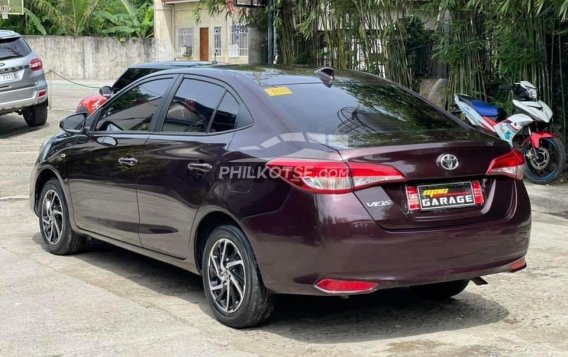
x=121 y=18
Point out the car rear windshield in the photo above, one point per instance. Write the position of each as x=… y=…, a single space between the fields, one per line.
x=365 y=109
x=13 y=48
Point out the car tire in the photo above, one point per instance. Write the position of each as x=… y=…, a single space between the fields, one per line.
x=54 y=221
x=441 y=291
x=223 y=278
x=36 y=115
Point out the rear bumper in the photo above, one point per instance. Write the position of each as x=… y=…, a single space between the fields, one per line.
x=13 y=100
x=334 y=237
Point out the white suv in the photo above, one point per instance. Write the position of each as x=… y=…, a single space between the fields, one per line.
x=23 y=88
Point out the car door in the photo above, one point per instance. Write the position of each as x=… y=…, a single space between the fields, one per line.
x=103 y=168
x=182 y=158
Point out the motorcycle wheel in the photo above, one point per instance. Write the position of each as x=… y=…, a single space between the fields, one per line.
x=545 y=164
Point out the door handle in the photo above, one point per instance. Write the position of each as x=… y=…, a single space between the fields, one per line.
x=201 y=168
x=128 y=161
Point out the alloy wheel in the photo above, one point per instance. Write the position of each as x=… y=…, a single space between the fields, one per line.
x=52 y=217
x=227 y=276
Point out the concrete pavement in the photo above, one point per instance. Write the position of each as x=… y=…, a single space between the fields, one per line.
x=549 y=198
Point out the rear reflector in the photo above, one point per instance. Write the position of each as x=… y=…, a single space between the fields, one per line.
x=42 y=93
x=518 y=264
x=36 y=64
x=412 y=196
x=477 y=193
x=332 y=176
x=333 y=286
x=511 y=164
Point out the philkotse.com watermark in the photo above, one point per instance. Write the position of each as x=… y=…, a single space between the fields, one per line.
x=241 y=172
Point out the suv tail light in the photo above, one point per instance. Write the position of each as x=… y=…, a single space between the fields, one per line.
x=511 y=164
x=36 y=64
x=332 y=176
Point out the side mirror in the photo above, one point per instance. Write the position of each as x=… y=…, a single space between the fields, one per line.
x=107 y=141
x=106 y=91
x=74 y=124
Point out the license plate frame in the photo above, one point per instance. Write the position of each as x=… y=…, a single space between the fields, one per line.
x=445 y=196
x=7 y=77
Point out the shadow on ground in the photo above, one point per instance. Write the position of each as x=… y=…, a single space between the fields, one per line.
x=13 y=125
x=386 y=314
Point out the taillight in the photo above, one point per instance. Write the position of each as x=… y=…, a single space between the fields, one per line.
x=36 y=64
x=477 y=193
x=511 y=164
x=412 y=196
x=332 y=176
x=333 y=286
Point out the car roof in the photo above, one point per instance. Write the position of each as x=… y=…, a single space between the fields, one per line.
x=7 y=34
x=171 y=64
x=275 y=75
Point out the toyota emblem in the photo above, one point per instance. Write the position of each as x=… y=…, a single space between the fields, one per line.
x=448 y=161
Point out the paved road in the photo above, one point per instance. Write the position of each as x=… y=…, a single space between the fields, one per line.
x=109 y=301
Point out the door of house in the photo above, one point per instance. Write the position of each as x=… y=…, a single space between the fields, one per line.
x=204 y=44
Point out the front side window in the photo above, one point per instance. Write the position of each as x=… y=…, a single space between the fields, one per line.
x=134 y=109
x=193 y=107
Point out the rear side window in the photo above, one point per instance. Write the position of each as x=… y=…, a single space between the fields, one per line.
x=13 y=48
x=358 y=109
x=226 y=115
x=193 y=107
x=131 y=75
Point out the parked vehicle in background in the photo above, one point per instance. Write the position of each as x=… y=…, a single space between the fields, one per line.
x=91 y=103
x=23 y=88
x=528 y=129
x=279 y=180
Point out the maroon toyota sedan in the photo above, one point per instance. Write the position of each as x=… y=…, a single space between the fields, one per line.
x=272 y=180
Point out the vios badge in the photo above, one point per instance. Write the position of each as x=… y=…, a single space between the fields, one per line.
x=448 y=162
x=379 y=204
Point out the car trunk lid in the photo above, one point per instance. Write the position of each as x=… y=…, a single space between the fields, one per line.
x=388 y=203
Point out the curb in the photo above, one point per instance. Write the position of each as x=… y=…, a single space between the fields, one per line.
x=547 y=198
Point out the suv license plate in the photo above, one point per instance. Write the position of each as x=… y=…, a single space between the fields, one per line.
x=444 y=196
x=5 y=77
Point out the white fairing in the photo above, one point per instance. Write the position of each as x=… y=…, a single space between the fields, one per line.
x=507 y=129
x=471 y=114
x=539 y=111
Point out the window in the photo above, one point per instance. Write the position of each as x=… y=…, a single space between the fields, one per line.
x=185 y=41
x=226 y=115
x=131 y=75
x=134 y=109
x=239 y=37
x=217 y=39
x=13 y=48
x=366 y=113
x=192 y=107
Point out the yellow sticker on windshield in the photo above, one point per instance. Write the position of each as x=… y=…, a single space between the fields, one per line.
x=278 y=91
